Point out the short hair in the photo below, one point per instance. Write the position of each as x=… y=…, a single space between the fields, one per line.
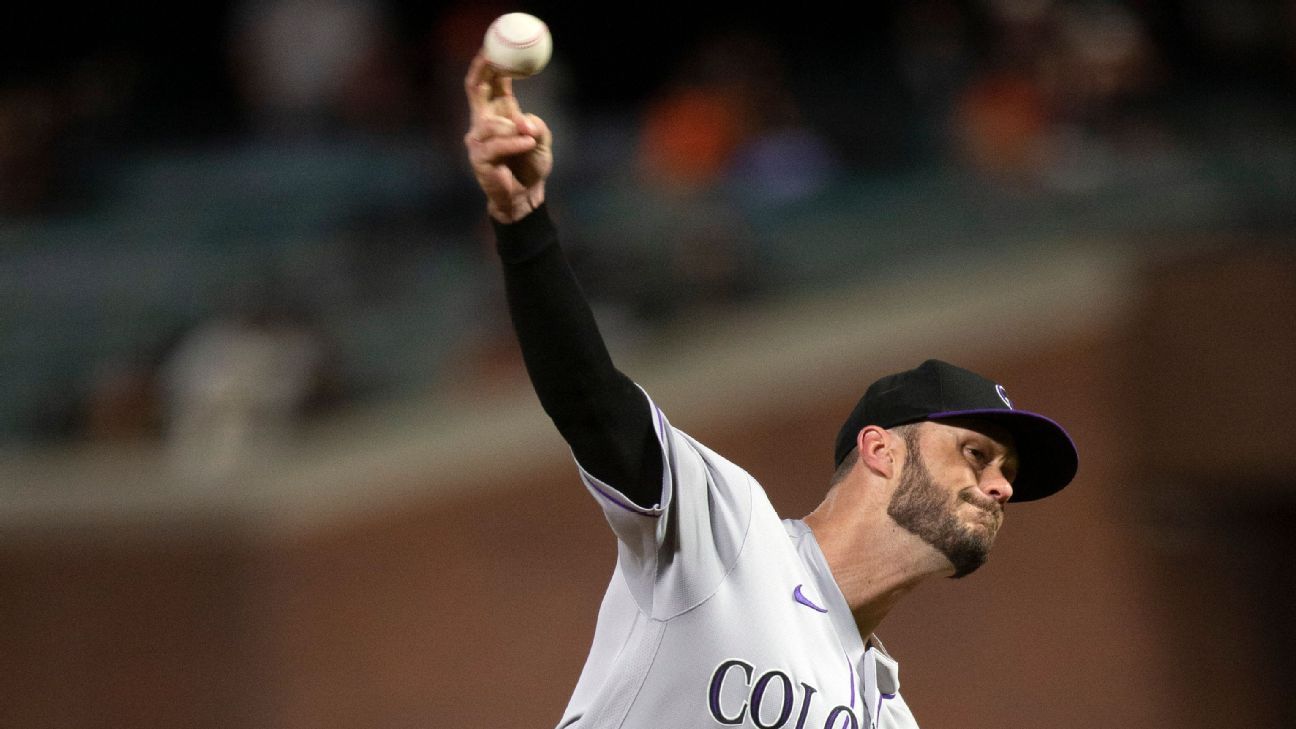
x=845 y=467
x=907 y=431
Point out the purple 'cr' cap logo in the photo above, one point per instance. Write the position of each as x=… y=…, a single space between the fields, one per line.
x=999 y=390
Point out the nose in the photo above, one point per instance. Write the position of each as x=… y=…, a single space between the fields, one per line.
x=995 y=485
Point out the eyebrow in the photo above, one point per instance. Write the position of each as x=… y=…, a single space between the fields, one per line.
x=1011 y=458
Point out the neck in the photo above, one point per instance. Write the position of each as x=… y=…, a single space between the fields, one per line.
x=873 y=560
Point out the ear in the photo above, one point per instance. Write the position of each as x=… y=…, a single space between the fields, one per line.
x=876 y=451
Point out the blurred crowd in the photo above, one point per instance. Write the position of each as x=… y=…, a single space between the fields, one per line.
x=211 y=240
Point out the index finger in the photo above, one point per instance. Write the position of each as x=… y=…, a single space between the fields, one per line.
x=478 y=82
x=504 y=100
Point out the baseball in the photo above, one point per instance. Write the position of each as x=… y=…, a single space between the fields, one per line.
x=518 y=44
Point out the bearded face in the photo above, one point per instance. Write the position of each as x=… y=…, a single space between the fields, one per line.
x=931 y=512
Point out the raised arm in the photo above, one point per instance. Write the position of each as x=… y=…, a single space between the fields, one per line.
x=601 y=414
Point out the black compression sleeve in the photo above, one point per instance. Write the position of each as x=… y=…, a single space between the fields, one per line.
x=601 y=414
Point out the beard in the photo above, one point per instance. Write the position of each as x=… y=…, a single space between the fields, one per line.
x=923 y=508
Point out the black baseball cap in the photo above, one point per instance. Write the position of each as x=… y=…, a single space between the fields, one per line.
x=936 y=390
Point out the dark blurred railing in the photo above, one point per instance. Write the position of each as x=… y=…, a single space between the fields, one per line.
x=380 y=247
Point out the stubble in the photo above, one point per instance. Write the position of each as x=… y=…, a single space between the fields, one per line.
x=924 y=509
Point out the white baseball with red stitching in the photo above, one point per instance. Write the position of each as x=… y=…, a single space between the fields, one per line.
x=518 y=44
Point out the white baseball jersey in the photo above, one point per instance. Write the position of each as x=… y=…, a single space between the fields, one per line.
x=719 y=614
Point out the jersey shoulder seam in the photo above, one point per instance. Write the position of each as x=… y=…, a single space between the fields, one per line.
x=751 y=487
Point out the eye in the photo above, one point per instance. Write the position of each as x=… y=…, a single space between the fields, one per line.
x=977 y=456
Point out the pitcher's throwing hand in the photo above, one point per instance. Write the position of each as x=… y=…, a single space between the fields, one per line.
x=511 y=152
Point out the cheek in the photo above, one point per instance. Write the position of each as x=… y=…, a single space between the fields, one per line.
x=955 y=473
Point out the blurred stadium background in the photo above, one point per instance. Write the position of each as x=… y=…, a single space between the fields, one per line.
x=268 y=457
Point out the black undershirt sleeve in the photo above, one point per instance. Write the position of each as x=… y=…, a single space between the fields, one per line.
x=599 y=411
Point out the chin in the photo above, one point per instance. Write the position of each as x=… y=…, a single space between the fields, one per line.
x=970 y=550
x=967 y=564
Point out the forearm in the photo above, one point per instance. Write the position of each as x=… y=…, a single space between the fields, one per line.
x=599 y=411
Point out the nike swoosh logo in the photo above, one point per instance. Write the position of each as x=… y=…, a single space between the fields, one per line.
x=796 y=594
